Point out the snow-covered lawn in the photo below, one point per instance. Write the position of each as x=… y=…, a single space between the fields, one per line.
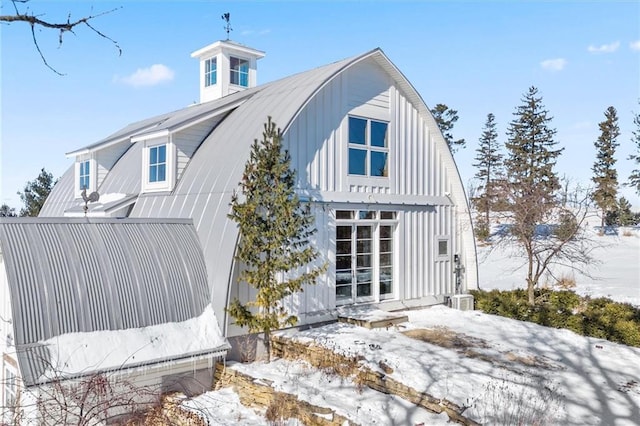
x=504 y=371
x=494 y=365
x=615 y=274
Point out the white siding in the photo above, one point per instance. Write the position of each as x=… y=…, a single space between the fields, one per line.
x=317 y=142
x=187 y=141
x=105 y=160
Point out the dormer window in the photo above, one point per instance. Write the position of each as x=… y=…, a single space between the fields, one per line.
x=158 y=163
x=210 y=72
x=239 y=69
x=84 y=175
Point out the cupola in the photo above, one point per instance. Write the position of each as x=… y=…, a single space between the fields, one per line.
x=226 y=67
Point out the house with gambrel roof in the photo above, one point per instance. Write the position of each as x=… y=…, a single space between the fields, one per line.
x=392 y=216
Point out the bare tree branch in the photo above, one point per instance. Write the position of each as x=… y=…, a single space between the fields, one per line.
x=62 y=27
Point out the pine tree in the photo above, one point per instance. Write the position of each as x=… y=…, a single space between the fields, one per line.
x=634 y=178
x=531 y=180
x=605 y=176
x=274 y=237
x=446 y=118
x=625 y=215
x=35 y=193
x=6 y=211
x=489 y=164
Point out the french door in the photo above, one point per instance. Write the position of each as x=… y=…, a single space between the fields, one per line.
x=364 y=256
x=354 y=263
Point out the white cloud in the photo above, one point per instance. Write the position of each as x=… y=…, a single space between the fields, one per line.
x=255 y=32
x=635 y=45
x=557 y=64
x=604 y=48
x=151 y=76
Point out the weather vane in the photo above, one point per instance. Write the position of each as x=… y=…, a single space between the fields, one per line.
x=226 y=17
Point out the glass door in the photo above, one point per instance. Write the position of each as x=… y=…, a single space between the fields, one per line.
x=354 y=263
x=344 y=264
x=364 y=263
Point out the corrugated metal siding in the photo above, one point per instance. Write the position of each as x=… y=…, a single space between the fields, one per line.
x=79 y=275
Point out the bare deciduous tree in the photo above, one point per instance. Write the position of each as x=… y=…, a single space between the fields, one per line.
x=23 y=14
x=540 y=229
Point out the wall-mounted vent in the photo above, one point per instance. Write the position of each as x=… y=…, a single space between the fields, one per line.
x=462 y=302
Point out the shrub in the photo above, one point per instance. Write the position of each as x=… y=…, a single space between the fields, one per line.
x=599 y=317
x=482 y=230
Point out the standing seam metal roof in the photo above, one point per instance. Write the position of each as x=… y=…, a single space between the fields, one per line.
x=85 y=275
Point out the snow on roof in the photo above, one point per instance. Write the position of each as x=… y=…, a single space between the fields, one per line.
x=92 y=277
x=74 y=354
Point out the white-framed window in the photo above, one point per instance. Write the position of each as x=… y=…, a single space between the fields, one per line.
x=210 y=72
x=239 y=71
x=368 y=147
x=443 y=248
x=365 y=252
x=84 y=175
x=158 y=163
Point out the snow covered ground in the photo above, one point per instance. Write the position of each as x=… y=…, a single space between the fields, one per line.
x=504 y=371
x=615 y=274
x=496 y=366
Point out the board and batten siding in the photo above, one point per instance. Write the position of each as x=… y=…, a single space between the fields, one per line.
x=318 y=143
x=317 y=139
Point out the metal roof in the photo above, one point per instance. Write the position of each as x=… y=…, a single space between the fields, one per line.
x=82 y=275
x=204 y=190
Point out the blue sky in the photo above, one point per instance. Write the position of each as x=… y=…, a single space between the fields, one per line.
x=475 y=56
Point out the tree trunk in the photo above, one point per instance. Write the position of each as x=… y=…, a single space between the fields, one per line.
x=267 y=344
x=530 y=282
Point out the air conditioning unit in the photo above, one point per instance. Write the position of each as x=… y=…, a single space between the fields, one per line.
x=463 y=302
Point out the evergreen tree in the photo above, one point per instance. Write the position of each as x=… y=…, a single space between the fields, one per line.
x=531 y=180
x=6 y=211
x=489 y=164
x=446 y=118
x=274 y=237
x=605 y=176
x=35 y=193
x=625 y=215
x=634 y=178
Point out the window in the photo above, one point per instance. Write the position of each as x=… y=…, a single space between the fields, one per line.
x=239 y=71
x=364 y=255
x=83 y=175
x=368 y=147
x=158 y=163
x=210 y=75
x=442 y=248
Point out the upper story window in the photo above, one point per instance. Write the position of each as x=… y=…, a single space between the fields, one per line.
x=368 y=147
x=158 y=163
x=210 y=72
x=239 y=71
x=84 y=174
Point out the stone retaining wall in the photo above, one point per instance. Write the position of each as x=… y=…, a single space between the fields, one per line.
x=320 y=357
x=279 y=405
